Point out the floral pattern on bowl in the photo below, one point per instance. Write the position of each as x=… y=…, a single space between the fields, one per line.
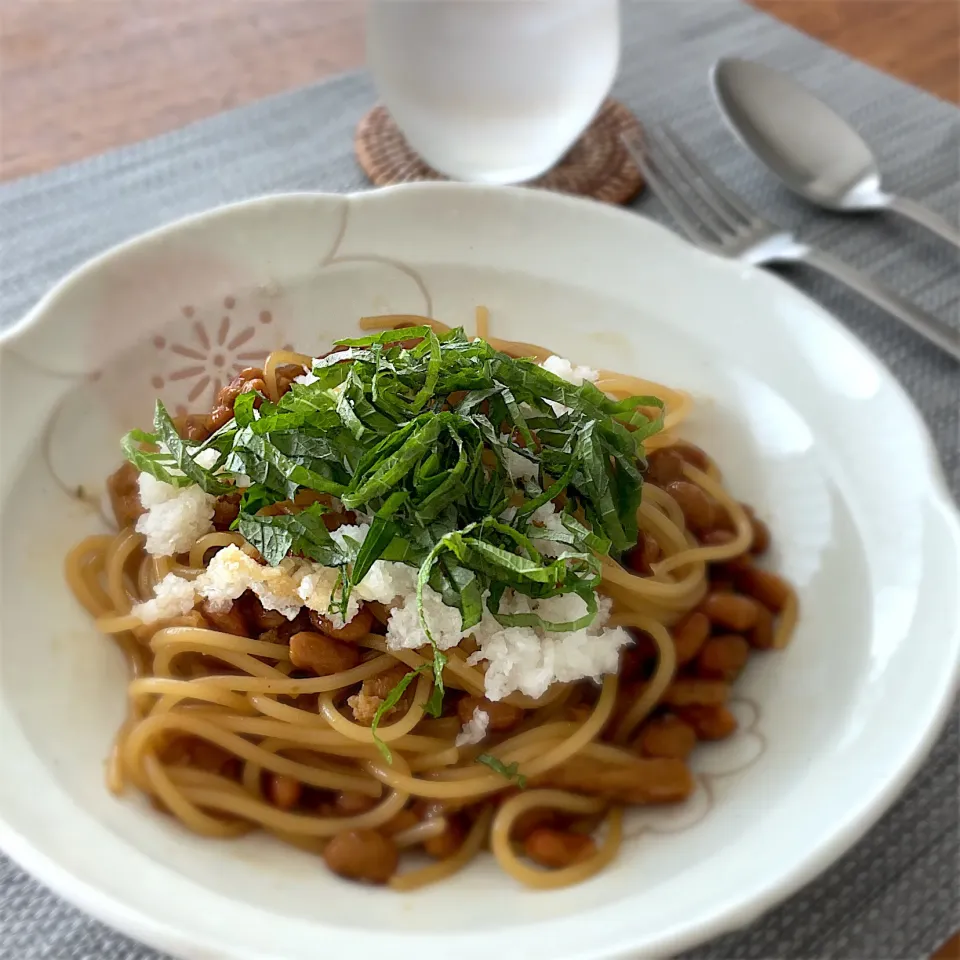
x=213 y=353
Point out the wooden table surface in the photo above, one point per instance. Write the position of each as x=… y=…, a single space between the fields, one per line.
x=80 y=76
x=77 y=78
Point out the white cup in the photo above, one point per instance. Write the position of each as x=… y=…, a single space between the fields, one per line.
x=493 y=91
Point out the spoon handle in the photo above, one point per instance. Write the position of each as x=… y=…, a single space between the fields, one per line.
x=927 y=325
x=926 y=218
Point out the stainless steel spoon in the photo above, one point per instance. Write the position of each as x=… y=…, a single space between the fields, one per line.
x=816 y=153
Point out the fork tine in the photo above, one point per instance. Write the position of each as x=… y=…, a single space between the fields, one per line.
x=678 y=206
x=699 y=169
x=684 y=181
x=686 y=171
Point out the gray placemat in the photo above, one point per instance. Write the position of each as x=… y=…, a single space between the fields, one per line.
x=895 y=895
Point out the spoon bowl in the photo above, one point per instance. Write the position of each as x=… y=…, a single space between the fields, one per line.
x=813 y=150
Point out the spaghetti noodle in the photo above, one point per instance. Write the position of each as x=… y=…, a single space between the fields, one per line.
x=228 y=730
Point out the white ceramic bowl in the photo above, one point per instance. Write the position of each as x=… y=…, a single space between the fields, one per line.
x=805 y=423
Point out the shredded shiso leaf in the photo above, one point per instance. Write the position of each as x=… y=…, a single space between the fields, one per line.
x=415 y=431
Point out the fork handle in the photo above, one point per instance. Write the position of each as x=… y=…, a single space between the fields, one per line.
x=928 y=326
x=926 y=218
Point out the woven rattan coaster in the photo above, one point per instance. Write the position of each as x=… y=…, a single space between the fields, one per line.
x=596 y=166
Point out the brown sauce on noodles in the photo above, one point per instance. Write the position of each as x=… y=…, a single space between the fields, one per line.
x=243 y=720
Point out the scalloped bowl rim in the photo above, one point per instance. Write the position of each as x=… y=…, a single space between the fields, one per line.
x=113 y=911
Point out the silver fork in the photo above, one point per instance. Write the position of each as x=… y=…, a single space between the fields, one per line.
x=715 y=218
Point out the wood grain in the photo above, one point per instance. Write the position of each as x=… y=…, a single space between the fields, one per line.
x=78 y=77
x=950 y=950
x=915 y=40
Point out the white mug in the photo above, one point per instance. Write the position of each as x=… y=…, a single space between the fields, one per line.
x=494 y=91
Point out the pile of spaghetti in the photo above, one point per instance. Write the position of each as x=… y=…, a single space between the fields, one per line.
x=503 y=492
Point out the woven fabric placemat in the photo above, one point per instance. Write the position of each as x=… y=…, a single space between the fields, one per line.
x=895 y=895
x=596 y=166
